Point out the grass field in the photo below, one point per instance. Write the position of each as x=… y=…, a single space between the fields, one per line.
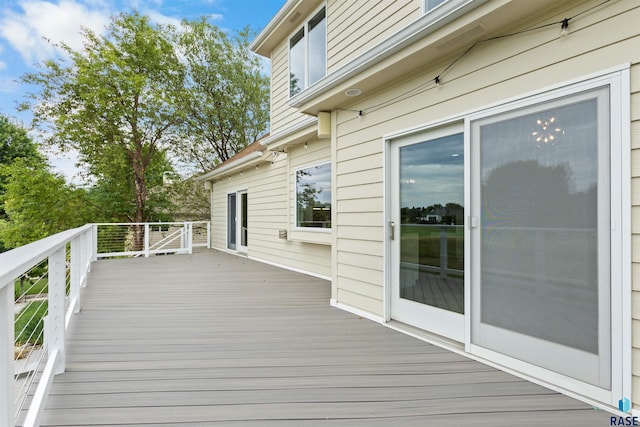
x=29 y=323
x=40 y=286
x=421 y=243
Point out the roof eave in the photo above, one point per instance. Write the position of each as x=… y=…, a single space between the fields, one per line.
x=288 y=18
x=224 y=169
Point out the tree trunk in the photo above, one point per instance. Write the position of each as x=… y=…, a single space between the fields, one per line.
x=141 y=198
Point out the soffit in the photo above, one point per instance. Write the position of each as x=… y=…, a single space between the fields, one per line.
x=286 y=21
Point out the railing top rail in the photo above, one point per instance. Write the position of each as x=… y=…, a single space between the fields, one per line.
x=18 y=260
x=153 y=223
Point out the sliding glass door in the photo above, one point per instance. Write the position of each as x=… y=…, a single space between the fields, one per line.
x=541 y=249
x=427 y=180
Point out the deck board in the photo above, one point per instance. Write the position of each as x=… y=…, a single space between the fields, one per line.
x=214 y=339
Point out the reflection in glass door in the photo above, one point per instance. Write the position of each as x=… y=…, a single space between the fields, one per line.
x=231 y=221
x=244 y=222
x=429 y=180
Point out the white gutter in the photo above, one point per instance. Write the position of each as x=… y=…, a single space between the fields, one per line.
x=310 y=121
x=271 y=26
x=225 y=168
x=306 y=123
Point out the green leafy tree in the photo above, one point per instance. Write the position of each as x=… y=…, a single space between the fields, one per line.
x=39 y=203
x=226 y=96
x=15 y=143
x=189 y=199
x=115 y=190
x=114 y=101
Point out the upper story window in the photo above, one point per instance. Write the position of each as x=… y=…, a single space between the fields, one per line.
x=313 y=196
x=308 y=54
x=432 y=4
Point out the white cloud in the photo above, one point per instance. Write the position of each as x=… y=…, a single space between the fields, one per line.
x=30 y=31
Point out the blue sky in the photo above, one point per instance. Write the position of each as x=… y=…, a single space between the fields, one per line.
x=24 y=25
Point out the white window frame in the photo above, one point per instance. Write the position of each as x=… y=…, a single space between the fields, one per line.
x=305 y=41
x=427 y=9
x=443 y=9
x=296 y=227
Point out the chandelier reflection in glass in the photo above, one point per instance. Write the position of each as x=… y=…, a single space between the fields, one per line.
x=547 y=132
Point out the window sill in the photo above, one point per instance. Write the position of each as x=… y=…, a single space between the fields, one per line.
x=317 y=236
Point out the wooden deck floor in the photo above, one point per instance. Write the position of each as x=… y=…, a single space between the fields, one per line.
x=213 y=339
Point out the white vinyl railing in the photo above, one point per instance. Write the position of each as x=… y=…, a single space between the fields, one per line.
x=145 y=239
x=65 y=258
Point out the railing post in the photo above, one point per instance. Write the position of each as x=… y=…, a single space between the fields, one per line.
x=56 y=327
x=189 y=237
x=90 y=250
x=77 y=247
x=146 y=240
x=7 y=399
x=208 y=234
x=94 y=244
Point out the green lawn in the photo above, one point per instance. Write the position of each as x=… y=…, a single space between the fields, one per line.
x=39 y=287
x=29 y=324
x=421 y=244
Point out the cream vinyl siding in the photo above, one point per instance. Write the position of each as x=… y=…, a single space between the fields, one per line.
x=282 y=116
x=354 y=27
x=491 y=73
x=268 y=204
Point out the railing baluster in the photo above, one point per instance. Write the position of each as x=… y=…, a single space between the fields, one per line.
x=7 y=399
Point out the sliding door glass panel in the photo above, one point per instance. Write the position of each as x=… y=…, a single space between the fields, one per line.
x=432 y=223
x=231 y=221
x=244 y=235
x=544 y=239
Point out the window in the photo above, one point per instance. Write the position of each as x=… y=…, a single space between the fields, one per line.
x=308 y=54
x=432 y=4
x=313 y=196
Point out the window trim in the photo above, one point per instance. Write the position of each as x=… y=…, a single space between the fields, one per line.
x=426 y=9
x=304 y=28
x=295 y=226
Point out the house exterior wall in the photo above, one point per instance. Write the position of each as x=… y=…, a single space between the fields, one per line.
x=352 y=28
x=355 y=27
x=602 y=37
x=282 y=116
x=491 y=73
x=270 y=200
